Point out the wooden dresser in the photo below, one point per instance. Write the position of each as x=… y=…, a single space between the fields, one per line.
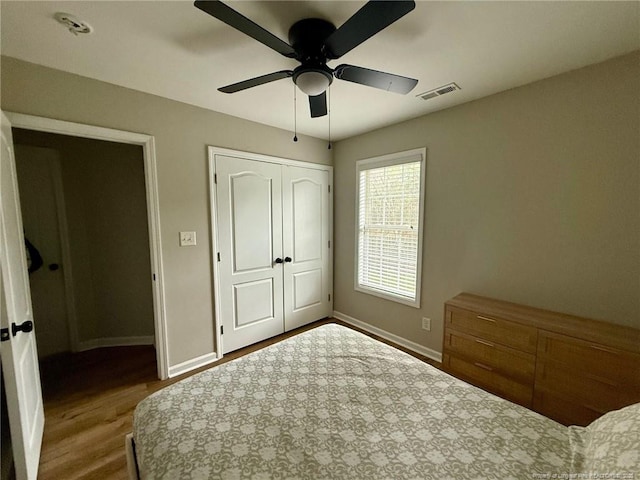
x=568 y=368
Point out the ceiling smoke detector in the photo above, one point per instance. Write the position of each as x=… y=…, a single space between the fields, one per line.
x=73 y=23
x=436 y=92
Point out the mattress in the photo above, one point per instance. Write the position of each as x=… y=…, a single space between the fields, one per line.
x=332 y=403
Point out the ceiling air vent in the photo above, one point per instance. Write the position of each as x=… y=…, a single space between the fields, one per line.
x=436 y=92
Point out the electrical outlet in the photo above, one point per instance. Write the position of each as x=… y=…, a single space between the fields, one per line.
x=426 y=324
x=187 y=239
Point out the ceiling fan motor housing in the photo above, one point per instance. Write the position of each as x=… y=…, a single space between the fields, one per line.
x=307 y=38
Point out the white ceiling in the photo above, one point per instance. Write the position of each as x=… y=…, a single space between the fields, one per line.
x=172 y=49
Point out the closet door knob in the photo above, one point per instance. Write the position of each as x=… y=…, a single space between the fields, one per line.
x=278 y=260
x=287 y=259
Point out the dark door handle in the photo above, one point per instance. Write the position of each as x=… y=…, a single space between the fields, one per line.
x=26 y=327
x=53 y=267
x=278 y=260
x=287 y=259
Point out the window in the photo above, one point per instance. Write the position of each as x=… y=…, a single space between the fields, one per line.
x=389 y=213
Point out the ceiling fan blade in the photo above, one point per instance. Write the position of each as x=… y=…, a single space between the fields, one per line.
x=234 y=19
x=318 y=105
x=254 y=82
x=376 y=79
x=373 y=17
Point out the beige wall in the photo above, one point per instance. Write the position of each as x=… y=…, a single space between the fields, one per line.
x=182 y=133
x=105 y=204
x=532 y=196
x=110 y=179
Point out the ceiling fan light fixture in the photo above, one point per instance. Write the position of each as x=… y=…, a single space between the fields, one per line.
x=313 y=82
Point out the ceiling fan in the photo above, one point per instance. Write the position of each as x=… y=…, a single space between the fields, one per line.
x=313 y=42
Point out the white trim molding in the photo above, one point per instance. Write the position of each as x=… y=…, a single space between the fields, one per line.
x=147 y=142
x=201 y=361
x=115 y=342
x=227 y=152
x=414 y=347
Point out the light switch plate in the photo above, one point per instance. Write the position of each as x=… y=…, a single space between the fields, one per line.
x=187 y=239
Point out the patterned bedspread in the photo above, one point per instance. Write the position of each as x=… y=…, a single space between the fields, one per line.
x=332 y=403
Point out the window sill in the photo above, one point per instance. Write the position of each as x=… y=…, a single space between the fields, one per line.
x=389 y=296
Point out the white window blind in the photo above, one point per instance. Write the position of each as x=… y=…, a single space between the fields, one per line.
x=389 y=227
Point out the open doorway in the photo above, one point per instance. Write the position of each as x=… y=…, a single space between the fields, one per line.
x=84 y=213
x=103 y=278
x=20 y=364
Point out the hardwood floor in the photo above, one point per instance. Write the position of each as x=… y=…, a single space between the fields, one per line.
x=89 y=398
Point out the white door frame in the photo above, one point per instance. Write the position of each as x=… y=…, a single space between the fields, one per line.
x=147 y=142
x=213 y=151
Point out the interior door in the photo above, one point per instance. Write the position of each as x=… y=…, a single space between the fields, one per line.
x=249 y=210
x=18 y=352
x=38 y=171
x=305 y=245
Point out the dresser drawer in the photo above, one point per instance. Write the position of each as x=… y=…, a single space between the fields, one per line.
x=599 y=394
x=493 y=329
x=562 y=409
x=621 y=368
x=485 y=377
x=505 y=360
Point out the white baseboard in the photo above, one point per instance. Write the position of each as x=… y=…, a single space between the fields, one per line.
x=192 y=364
x=414 y=347
x=115 y=342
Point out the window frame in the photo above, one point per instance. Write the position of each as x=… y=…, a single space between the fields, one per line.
x=398 y=158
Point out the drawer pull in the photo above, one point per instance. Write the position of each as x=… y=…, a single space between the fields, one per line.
x=483 y=366
x=603 y=349
x=483 y=342
x=486 y=318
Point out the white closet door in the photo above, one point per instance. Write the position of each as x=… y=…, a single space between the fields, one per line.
x=305 y=202
x=249 y=211
x=18 y=349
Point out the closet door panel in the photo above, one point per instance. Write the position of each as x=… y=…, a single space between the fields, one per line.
x=307 y=289
x=249 y=210
x=305 y=202
x=306 y=206
x=252 y=221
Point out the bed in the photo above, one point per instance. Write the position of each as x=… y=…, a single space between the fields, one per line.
x=332 y=403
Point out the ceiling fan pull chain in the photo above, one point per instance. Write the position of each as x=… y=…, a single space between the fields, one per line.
x=295 y=109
